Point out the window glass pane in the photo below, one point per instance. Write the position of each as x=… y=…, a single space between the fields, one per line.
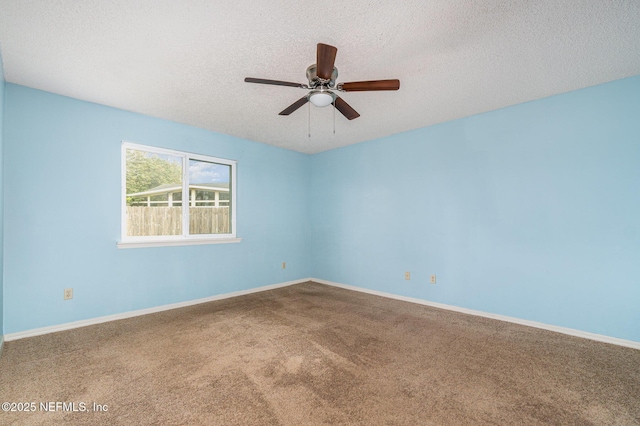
x=153 y=185
x=209 y=198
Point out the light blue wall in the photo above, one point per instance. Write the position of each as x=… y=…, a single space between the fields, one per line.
x=62 y=215
x=2 y=84
x=532 y=211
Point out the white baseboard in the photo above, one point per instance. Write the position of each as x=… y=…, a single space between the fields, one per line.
x=564 y=330
x=1 y=343
x=99 y=320
x=130 y=314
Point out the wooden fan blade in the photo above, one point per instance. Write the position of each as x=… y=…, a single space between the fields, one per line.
x=363 y=86
x=273 y=82
x=345 y=108
x=325 y=58
x=294 y=106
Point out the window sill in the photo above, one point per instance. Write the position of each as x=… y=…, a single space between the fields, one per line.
x=169 y=243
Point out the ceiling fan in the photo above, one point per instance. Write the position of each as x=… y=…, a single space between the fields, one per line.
x=322 y=84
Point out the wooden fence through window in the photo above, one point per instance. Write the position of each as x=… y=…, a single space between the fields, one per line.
x=146 y=221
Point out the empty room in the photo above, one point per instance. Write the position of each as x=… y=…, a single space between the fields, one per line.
x=302 y=213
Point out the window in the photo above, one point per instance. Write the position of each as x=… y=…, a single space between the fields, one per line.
x=176 y=198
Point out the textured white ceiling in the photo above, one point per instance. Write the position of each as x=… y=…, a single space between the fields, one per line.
x=186 y=60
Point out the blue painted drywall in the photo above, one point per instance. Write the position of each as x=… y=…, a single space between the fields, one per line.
x=62 y=215
x=2 y=84
x=532 y=211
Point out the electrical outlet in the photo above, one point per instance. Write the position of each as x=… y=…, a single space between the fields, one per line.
x=433 y=279
x=284 y=265
x=68 y=293
x=407 y=275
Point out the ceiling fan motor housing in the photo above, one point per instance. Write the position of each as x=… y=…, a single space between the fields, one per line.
x=315 y=81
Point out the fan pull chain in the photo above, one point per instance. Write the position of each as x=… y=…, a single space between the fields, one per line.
x=334 y=116
x=309 y=120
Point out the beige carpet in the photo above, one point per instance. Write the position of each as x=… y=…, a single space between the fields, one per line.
x=310 y=354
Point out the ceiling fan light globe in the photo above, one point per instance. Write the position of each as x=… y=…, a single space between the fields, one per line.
x=321 y=99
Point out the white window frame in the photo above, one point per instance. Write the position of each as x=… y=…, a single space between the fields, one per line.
x=185 y=238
